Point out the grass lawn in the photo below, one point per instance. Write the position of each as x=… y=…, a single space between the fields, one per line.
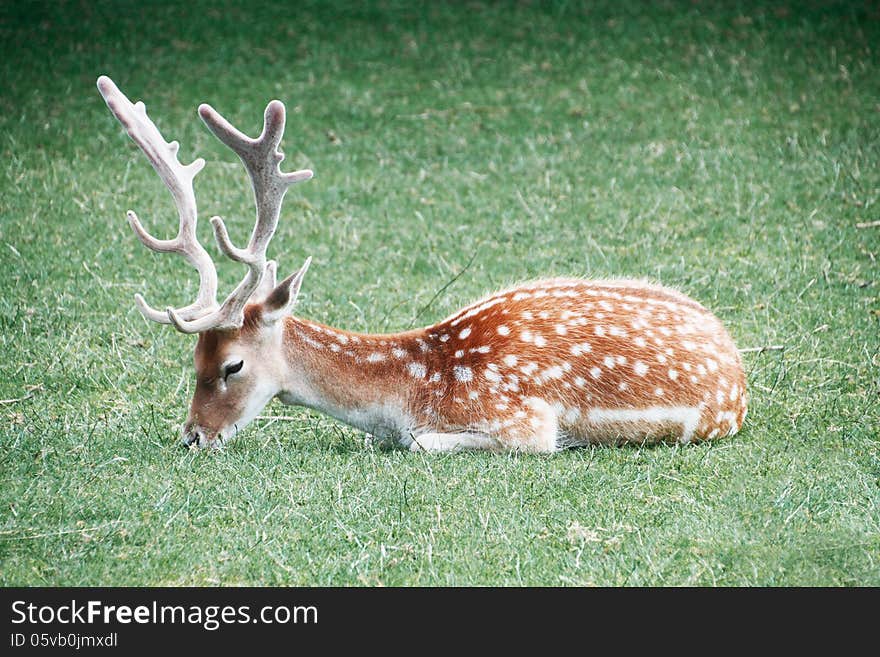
x=727 y=149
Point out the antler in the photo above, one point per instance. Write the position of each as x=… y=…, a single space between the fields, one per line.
x=262 y=160
x=179 y=180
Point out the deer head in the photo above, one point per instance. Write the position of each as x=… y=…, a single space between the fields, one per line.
x=238 y=354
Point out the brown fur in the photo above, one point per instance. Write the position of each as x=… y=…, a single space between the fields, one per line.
x=687 y=360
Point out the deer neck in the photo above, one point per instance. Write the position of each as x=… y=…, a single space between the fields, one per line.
x=360 y=379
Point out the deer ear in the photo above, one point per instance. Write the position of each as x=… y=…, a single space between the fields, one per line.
x=283 y=297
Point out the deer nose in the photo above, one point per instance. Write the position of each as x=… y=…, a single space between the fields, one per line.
x=193 y=435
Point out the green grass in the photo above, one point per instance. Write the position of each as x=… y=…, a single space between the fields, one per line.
x=727 y=149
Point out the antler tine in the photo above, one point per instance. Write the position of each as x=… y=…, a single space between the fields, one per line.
x=268 y=282
x=262 y=160
x=178 y=178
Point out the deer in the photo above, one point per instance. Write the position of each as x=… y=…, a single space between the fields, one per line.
x=534 y=368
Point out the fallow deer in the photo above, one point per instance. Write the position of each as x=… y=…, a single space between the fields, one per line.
x=534 y=368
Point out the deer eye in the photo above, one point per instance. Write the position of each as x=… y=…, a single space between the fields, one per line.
x=232 y=369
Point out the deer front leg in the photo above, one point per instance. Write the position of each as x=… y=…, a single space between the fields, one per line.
x=529 y=427
x=447 y=442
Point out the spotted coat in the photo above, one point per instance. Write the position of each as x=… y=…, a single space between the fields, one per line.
x=539 y=366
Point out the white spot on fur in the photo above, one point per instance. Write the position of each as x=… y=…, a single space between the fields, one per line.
x=540 y=341
x=492 y=375
x=417 y=370
x=503 y=330
x=311 y=342
x=463 y=373
x=580 y=348
x=375 y=357
x=561 y=329
x=464 y=333
x=398 y=353
x=673 y=374
x=640 y=368
x=595 y=372
x=554 y=372
x=510 y=360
